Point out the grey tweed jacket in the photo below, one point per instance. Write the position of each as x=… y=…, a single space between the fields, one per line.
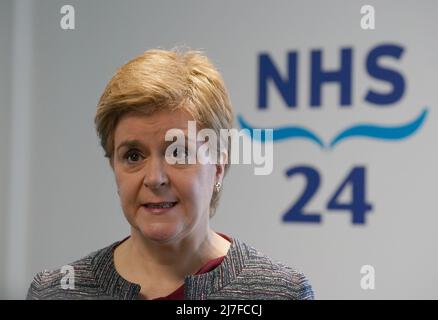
x=245 y=273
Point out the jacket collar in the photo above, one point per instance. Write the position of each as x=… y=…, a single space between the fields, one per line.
x=111 y=284
x=196 y=287
x=199 y=287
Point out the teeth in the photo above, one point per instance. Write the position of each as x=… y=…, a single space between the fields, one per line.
x=161 y=205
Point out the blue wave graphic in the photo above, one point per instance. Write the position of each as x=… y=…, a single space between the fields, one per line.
x=381 y=132
x=283 y=133
x=358 y=130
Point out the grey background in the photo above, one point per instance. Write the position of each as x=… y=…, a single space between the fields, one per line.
x=69 y=206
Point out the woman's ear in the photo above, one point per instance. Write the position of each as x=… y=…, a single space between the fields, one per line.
x=220 y=167
x=220 y=172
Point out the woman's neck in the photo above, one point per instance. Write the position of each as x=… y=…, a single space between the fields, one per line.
x=142 y=261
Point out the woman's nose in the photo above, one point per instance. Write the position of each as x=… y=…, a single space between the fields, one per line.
x=155 y=176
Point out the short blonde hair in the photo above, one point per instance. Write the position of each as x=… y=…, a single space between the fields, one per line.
x=160 y=80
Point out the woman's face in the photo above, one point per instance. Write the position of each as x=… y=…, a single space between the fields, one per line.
x=145 y=180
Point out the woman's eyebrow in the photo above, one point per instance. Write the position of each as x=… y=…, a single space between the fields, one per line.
x=187 y=137
x=129 y=144
x=137 y=144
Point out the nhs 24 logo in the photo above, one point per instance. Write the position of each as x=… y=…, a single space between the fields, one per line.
x=285 y=82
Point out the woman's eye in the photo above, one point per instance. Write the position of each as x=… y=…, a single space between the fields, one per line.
x=180 y=152
x=133 y=156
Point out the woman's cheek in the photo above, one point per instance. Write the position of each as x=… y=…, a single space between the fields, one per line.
x=123 y=196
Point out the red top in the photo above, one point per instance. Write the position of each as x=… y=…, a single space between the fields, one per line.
x=178 y=294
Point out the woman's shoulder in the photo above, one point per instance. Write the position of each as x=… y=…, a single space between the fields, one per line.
x=70 y=281
x=265 y=272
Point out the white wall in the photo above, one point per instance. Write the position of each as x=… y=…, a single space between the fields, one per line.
x=71 y=207
x=5 y=70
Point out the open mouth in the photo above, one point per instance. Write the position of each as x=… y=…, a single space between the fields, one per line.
x=160 y=205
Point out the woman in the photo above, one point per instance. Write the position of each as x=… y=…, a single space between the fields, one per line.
x=171 y=253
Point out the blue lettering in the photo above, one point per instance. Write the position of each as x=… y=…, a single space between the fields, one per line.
x=287 y=88
x=341 y=76
x=388 y=75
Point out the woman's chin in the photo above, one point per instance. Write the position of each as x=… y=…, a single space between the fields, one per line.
x=162 y=233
